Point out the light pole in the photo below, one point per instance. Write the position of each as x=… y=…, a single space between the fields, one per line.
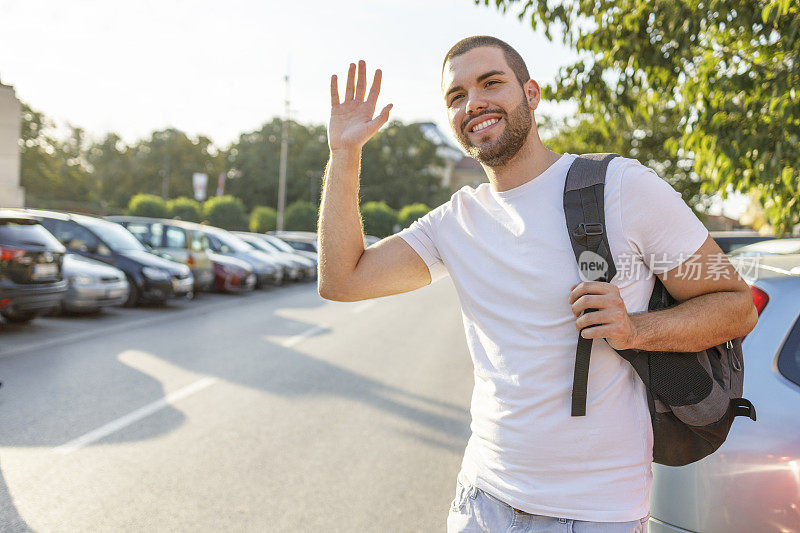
x=284 y=155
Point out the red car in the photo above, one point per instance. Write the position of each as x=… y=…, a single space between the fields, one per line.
x=231 y=274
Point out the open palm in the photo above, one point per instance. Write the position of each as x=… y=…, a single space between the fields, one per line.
x=352 y=123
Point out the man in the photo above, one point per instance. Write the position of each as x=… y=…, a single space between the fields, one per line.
x=529 y=464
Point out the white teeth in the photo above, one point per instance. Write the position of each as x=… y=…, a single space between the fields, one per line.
x=485 y=124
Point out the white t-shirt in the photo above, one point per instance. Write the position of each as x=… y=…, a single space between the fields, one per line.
x=510 y=259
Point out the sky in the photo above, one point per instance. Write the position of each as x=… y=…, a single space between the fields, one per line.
x=217 y=68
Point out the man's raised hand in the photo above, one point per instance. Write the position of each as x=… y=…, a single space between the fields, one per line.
x=352 y=123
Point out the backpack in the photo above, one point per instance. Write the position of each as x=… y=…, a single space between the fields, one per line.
x=692 y=397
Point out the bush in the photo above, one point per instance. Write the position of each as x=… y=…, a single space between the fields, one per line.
x=147 y=205
x=225 y=212
x=300 y=216
x=410 y=213
x=379 y=219
x=263 y=219
x=185 y=209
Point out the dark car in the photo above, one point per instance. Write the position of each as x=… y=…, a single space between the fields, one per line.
x=151 y=278
x=176 y=240
x=306 y=241
x=31 y=260
x=231 y=274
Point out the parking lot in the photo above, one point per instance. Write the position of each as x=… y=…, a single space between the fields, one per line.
x=271 y=410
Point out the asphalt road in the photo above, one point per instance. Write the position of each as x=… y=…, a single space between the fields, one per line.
x=274 y=411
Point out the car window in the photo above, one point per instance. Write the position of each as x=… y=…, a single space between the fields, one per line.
x=72 y=235
x=115 y=236
x=145 y=232
x=789 y=358
x=24 y=232
x=174 y=237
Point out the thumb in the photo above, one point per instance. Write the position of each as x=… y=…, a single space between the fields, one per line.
x=381 y=119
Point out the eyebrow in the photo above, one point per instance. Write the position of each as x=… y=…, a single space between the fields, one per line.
x=480 y=78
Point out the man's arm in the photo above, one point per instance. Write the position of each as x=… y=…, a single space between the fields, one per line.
x=715 y=306
x=348 y=272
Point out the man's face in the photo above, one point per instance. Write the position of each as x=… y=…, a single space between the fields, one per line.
x=488 y=110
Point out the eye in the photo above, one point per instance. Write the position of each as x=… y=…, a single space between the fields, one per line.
x=491 y=82
x=455 y=99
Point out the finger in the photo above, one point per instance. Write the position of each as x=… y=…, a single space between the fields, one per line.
x=350 y=87
x=597 y=332
x=589 y=301
x=375 y=90
x=594 y=318
x=381 y=119
x=361 y=84
x=590 y=287
x=334 y=91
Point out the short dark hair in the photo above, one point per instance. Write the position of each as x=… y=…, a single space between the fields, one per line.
x=512 y=57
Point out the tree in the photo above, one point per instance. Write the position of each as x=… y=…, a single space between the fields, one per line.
x=410 y=213
x=400 y=166
x=225 y=212
x=255 y=160
x=147 y=205
x=263 y=219
x=301 y=216
x=185 y=209
x=379 y=219
x=724 y=73
x=53 y=171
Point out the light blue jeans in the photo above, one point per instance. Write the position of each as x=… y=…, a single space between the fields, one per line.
x=474 y=510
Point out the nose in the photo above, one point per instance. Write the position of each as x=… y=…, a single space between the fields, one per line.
x=475 y=104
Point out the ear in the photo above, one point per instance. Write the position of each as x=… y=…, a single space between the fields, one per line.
x=532 y=93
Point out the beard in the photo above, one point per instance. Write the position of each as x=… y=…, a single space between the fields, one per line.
x=500 y=151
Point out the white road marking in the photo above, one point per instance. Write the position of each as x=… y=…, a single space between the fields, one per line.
x=291 y=341
x=135 y=416
x=364 y=306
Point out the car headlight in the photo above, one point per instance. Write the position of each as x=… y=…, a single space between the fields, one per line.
x=154 y=273
x=81 y=280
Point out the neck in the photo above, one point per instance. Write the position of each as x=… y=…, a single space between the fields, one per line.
x=531 y=160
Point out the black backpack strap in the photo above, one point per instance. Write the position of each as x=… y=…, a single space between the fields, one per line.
x=584 y=210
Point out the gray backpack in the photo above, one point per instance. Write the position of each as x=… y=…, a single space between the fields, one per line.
x=693 y=397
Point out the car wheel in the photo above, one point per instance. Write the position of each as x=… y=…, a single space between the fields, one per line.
x=19 y=317
x=133 y=295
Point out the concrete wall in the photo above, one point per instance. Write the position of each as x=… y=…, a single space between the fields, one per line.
x=11 y=194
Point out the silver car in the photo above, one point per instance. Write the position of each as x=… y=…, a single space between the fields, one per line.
x=752 y=483
x=92 y=284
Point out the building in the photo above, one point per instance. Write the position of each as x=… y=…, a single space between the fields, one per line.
x=11 y=194
x=459 y=169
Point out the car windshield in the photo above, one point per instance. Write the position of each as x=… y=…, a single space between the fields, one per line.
x=279 y=244
x=115 y=236
x=233 y=242
x=260 y=244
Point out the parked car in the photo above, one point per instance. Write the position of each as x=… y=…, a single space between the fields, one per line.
x=231 y=274
x=295 y=266
x=770 y=247
x=283 y=246
x=92 y=285
x=176 y=240
x=729 y=241
x=266 y=269
x=151 y=278
x=299 y=240
x=31 y=275
x=752 y=483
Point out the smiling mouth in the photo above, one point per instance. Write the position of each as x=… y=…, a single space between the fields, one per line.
x=485 y=124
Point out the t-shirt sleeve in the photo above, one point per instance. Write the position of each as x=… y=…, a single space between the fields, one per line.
x=656 y=221
x=421 y=235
